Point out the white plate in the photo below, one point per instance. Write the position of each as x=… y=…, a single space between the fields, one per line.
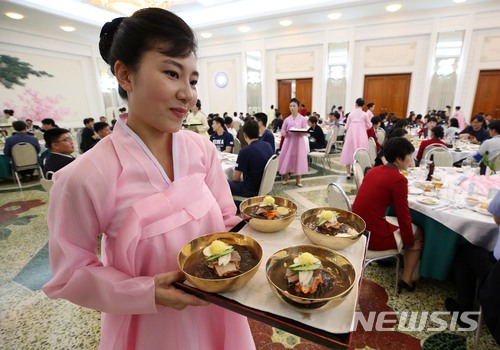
x=480 y=210
x=428 y=200
x=414 y=190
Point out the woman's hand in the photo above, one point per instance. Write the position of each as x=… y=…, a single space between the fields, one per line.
x=168 y=295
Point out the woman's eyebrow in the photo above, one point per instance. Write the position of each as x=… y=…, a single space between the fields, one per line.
x=180 y=66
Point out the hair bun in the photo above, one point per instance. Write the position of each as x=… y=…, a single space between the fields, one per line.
x=106 y=36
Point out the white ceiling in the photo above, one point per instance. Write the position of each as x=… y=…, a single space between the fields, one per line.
x=224 y=17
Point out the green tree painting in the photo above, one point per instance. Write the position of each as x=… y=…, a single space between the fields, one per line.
x=13 y=71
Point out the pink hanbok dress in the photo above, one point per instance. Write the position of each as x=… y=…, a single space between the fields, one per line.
x=355 y=136
x=119 y=189
x=293 y=155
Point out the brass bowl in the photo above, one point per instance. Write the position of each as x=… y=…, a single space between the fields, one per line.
x=332 y=261
x=333 y=242
x=192 y=253
x=264 y=225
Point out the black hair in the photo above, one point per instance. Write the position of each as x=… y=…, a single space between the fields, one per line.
x=438 y=132
x=397 y=132
x=397 y=148
x=370 y=105
x=19 y=125
x=228 y=120
x=313 y=120
x=262 y=117
x=49 y=121
x=198 y=104
x=296 y=100
x=360 y=102
x=479 y=118
x=495 y=125
x=454 y=122
x=9 y=112
x=220 y=121
x=127 y=38
x=432 y=119
x=122 y=110
x=52 y=135
x=99 y=126
x=376 y=120
x=87 y=120
x=251 y=129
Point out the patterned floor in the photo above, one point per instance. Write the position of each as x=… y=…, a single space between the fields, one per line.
x=29 y=320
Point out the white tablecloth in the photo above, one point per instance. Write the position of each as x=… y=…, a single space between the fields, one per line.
x=228 y=163
x=259 y=295
x=479 y=229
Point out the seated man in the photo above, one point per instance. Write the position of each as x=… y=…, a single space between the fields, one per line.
x=228 y=121
x=473 y=264
x=48 y=123
x=21 y=135
x=223 y=140
x=265 y=134
x=251 y=162
x=60 y=143
x=89 y=136
x=316 y=135
x=385 y=186
x=425 y=132
x=102 y=129
x=437 y=134
x=492 y=146
x=333 y=119
x=475 y=131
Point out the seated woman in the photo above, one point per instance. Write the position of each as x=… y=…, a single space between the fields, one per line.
x=316 y=135
x=437 y=134
x=385 y=186
x=452 y=130
x=372 y=132
x=399 y=132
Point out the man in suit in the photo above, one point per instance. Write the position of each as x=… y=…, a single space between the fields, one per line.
x=60 y=143
x=21 y=135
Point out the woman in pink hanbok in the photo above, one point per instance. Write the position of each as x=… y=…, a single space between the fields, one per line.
x=293 y=155
x=135 y=187
x=356 y=136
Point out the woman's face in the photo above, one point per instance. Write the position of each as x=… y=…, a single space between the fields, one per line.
x=161 y=92
x=404 y=164
x=294 y=108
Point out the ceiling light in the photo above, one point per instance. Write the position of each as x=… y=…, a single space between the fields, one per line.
x=459 y=1
x=393 y=7
x=335 y=15
x=68 y=28
x=244 y=29
x=14 y=15
x=285 y=23
x=206 y=35
x=128 y=7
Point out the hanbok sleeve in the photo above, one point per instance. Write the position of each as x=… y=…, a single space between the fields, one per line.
x=368 y=123
x=218 y=185
x=81 y=203
x=204 y=121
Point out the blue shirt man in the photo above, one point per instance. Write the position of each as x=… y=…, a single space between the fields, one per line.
x=223 y=140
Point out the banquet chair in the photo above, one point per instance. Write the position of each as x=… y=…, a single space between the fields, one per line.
x=268 y=178
x=374 y=255
x=359 y=174
x=46 y=184
x=337 y=197
x=24 y=157
x=363 y=158
x=380 y=135
x=372 y=149
x=237 y=146
x=327 y=153
x=327 y=137
x=442 y=156
x=431 y=147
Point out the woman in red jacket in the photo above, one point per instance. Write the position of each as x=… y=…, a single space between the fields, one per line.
x=385 y=186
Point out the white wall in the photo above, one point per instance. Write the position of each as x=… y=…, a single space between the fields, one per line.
x=408 y=41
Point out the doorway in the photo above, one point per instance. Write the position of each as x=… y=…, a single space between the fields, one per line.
x=299 y=88
x=487 y=98
x=389 y=92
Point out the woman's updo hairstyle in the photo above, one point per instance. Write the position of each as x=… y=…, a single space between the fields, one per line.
x=127 y=38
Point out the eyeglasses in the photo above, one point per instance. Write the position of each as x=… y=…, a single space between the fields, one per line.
x=69 y=139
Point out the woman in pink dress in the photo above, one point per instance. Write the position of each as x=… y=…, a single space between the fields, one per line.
x=356 y=136
x=293 y=155
x=135 y=188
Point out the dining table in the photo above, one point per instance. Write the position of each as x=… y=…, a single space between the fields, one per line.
x=228 y=163
x=445 y=217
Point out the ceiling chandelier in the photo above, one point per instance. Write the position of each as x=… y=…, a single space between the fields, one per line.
x=128 y=7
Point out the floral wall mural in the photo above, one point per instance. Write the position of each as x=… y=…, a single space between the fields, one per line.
x=42 y=85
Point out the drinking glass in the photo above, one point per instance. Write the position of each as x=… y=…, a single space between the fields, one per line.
x=467 y=165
